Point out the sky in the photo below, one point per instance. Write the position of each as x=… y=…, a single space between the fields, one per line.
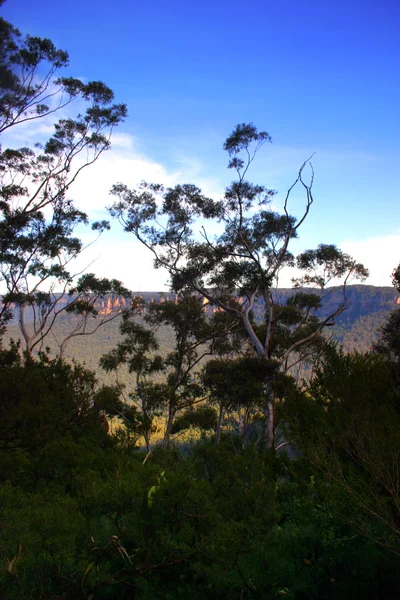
x=321 y=77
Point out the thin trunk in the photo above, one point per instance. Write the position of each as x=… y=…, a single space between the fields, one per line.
x=243 y=427
x=219 y=423
x=269 y=414
x=23 y=329
x=168 y=427
x=147 y=418
x=146 y=436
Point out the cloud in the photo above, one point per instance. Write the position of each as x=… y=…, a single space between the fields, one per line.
x=117 y=254
x=380 y=254
x=126 y=164
x=120 y=256
x=127 y=260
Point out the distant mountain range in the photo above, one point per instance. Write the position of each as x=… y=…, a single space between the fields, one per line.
x=356 y=329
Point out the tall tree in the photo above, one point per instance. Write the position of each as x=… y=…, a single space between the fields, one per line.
x=237 y=269
x=38 y=219
x=389 y=342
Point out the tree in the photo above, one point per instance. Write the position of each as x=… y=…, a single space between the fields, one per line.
x=389 y=342
x=136 y=350
x=38 y=220
x=236 y=271
x=203 y=417
x=195 y=335
x=347 y=424
x=235 y=385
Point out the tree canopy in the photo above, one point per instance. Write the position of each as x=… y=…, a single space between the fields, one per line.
x=38 y=219
x=241 y=265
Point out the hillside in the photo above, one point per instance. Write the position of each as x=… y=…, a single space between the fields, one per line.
x=356 y=329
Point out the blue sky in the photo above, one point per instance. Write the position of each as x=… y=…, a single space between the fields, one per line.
x=318 y=76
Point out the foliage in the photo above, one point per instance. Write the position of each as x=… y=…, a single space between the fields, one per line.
x=203 y=417
x=242 y=264
x=85 y=516
x=42 y=400
x=389 y=342
x=213 y=524
x=347 y=424
x=38 y=219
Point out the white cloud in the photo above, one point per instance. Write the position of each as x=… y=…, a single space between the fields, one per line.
x=117 y=254
x=120 y=256
x=125 y=164
x=380 y=254
x=126 y=260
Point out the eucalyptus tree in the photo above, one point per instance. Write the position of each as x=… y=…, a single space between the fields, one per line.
x=389 y=342
x=37 y=218
x=168 y=383
x=237 y=269
x=195 y=334
x=137 y=351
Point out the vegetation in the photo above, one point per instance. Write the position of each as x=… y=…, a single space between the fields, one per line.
x=290 y=490
x=84 y=515
x=242 y=264
x=37 y=218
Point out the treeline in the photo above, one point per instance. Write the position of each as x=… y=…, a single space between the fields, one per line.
x=357 y=330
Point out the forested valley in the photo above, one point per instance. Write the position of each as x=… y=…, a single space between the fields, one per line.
x=229 y=439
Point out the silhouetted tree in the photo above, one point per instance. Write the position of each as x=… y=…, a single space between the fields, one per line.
x=37 y=218
x=238 y=268
x=389 y=342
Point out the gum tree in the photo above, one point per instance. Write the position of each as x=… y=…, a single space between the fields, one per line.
x=236 y=270
x=194 y=335
x=38 y=220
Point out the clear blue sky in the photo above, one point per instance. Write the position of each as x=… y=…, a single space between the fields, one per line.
x=318 y=76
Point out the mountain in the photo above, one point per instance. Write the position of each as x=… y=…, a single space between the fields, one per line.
x=356 y=329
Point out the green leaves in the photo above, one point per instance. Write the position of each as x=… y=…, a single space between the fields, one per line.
x=241 y=138
x=154 y=488
x=327 y=263
x=37 y=219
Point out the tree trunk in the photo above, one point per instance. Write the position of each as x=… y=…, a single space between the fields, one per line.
x=269 y=414
x=168 y=427
x=243 y=427
x=146 y=436
x=219 y=423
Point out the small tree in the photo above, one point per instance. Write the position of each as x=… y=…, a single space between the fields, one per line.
x=235 y=385
x=236 y=270
x=37 y=219
x=195 y=333
x=137 y=351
